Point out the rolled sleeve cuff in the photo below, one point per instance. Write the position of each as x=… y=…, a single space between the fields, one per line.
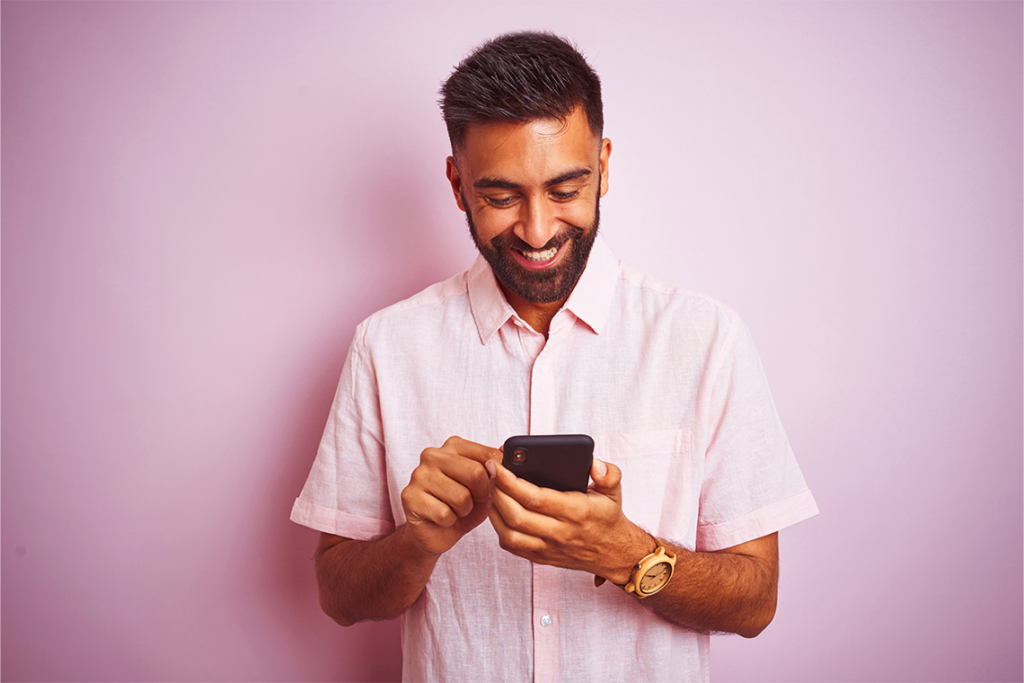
x=338 y=522
x=711 y=537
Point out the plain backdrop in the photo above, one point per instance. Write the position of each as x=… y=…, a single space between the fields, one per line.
x=201 y=200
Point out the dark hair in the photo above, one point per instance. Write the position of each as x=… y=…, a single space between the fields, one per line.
x=520 y=77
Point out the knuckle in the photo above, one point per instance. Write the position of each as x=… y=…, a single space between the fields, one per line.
x=513 y=518
x=445 y=517
x=429 y=455
x=479 y=477
x=575 y=516
x=417 y=476
x=510 y=542
x=562 y=538
x=462 y=503
x=412 y=499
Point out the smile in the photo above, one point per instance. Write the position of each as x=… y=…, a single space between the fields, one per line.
x=536 y=256
x=539 y=259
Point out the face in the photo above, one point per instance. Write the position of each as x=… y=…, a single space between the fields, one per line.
x=531 y=194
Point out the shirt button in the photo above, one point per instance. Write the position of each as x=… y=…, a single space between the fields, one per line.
x=545 y=620
x=543 y=368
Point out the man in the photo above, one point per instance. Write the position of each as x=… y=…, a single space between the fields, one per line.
x=548 y=333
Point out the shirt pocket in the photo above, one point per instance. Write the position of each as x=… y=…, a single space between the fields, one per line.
x=657 y=475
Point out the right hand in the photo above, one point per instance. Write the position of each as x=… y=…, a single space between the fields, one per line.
x=449 y=493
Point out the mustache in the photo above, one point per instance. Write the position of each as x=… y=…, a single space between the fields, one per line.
x=506 y=240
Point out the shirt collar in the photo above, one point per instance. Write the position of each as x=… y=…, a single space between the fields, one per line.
x=589 y=301
x=488 y=304
x=592 y=297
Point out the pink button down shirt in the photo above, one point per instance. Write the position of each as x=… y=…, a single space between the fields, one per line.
x=666 y=381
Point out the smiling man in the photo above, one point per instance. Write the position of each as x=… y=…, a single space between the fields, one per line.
x=531 y=192
x=547 y=333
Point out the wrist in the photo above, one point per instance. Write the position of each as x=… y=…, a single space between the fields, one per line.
x=640 y=545
x=410 y=550
x=649 y=574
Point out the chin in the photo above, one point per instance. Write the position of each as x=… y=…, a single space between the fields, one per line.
x=539 y=286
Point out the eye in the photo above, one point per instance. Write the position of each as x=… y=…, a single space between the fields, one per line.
x=499 y=201
x=565 y=196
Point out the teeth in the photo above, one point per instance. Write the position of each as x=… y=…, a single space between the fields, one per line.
x=545 y=255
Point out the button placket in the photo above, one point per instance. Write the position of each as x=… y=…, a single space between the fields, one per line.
x=547 y=662
x=546 y=580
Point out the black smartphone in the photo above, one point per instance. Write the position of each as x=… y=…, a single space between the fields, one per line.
x=555 y=461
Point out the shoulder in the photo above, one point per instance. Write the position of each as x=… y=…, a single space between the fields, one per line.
x=659 y=301
x=420 y=312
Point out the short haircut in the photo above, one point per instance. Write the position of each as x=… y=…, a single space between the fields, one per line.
x=520 y=77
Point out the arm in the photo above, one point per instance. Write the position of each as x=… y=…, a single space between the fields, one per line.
x=376 y=579
x=732 y=590
x=449 y=495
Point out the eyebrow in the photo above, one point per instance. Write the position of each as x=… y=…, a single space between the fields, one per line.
x=488 y=182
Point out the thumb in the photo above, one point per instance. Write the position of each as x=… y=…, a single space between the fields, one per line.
x=607 y=479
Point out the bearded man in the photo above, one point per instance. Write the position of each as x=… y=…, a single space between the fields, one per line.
x=547 y=333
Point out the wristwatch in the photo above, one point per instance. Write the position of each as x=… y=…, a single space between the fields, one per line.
x=649 y=575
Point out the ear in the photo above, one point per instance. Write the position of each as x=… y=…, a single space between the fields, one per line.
x=452 y=171
x=606 y=151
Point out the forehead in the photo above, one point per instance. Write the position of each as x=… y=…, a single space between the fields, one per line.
x=535 y=150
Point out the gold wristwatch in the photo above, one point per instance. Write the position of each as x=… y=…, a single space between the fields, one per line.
x=650 y=574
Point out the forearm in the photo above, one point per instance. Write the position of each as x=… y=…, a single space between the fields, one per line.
x=727 y=591
x=378 y=579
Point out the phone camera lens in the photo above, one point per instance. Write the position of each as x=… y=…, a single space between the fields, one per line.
x=519 y=456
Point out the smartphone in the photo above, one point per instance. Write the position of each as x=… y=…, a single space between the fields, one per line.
x=555 y=461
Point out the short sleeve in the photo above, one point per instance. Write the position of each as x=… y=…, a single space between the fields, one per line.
x=752 y=484
x=346 y=492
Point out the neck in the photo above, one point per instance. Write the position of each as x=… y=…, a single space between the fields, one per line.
x=538 y=316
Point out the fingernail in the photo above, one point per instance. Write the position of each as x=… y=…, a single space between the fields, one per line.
x=600 y=469
x=491 y=469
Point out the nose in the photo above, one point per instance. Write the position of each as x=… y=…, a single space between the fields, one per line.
x=537 y=223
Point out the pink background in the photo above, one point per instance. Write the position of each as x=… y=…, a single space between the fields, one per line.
x=201 y=200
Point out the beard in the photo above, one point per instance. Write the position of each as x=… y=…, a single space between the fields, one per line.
x=539 y=286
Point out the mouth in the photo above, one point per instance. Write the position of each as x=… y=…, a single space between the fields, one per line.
x=536 y=259
x=537 y=256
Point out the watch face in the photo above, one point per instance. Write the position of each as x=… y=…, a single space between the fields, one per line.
x=654 y=578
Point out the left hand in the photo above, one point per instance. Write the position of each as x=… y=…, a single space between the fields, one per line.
x=570 y=529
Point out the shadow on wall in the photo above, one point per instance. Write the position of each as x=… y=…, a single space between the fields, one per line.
x=364 y=652
x=398 y=232
x=411 y=234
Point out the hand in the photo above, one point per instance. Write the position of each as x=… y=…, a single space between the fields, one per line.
x=449 y=493
x=570 y=529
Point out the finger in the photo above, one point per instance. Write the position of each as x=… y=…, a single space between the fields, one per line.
x=472 y=450
x=522 y=520
x=607 y=479
x=419 y=506
x=450 y=480
x=467 y=473
x=511 y=540
x=478 y=515
x=557 y=504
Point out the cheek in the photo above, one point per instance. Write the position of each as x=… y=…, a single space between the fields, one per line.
x=490 y=224
x=579 y=214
